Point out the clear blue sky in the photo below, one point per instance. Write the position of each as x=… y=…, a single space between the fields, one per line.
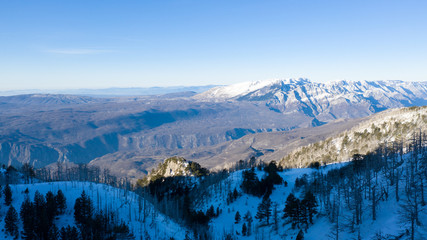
x=99 y=44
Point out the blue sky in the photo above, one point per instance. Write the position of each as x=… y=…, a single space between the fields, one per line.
x=100 y=44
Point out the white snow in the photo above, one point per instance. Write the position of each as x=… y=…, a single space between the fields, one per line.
x=125 y=204
x=387 y=222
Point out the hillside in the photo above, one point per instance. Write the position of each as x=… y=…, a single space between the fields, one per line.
x=383 y=213
x=395 y=125
x=141 y=217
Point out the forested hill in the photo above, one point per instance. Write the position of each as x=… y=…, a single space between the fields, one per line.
x=80 y=211
x=393 y=128
x=381 y=195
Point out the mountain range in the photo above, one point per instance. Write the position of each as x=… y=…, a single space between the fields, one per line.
x=324 y=101
x=131 y=134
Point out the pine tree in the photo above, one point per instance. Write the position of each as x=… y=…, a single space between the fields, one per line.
x=300 y=235
x=310 y=204
x=53 y=233
x=27 y=214
x=98 y=226
x=41 y=223
x=7 y=195
x=69 y=233
x=250 y=182
x=51 y=207
x=73 y=233
x=292 y=210
x=210 y=212
x=244 y=229
x=264 y=210
x=11 y=222
x=83 y=211
x=237 y=217
x=61 y=202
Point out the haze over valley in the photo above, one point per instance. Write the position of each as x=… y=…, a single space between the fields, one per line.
x=220 y=126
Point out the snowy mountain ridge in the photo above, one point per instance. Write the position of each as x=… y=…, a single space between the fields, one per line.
x=325 y=101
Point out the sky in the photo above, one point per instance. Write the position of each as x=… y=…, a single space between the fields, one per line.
x=111 y=43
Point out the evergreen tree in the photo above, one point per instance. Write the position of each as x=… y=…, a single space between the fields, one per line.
x=237 y=217
x=41 y=222
x=244 y=229
x=210 y=212
x=264 y=210
x=310 y=204
x=69 y=233
x=51 y=207
x=99 y=229
x=7 y=195
x=292 y=210
x=11 y=222
x=53 y=233
x=250 y=182
x=300 y=235
x=83 y=211
x=61 y=202
x=235 y=194
x=27 y=214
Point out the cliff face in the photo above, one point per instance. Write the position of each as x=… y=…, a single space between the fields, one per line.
x=13 y=153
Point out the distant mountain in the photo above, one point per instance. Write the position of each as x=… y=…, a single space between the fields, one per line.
x=324 y=101
x=47 y=99
x=113 y=92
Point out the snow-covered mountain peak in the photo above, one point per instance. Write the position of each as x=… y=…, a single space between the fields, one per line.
x=244 y=88
x=325 y=101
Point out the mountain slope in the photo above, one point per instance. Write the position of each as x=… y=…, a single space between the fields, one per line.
x=142 y=217
x=392 y=125
x=389 y=223
x=325 y=101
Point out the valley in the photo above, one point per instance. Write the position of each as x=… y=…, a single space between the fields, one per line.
x=216 y=128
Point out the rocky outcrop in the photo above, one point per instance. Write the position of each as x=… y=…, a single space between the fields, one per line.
x=173 y=167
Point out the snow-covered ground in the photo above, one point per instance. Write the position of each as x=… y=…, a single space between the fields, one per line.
x=128 y=206
x=388 y=218
x=125 y=204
